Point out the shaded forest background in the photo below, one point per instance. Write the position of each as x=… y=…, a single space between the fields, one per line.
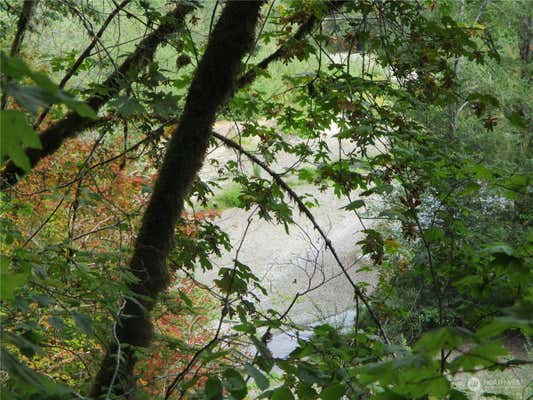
x=117 y=279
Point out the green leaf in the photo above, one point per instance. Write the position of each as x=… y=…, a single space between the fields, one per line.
x=234 y=383
x=82 y=108
x=15 y=135
x=482 y=355
x=484 y=98
x=13 y=67
x=307 y=174
x=185 y=298
x=246 y=328
x=433 y=234
x=32 y=98
x=35 y=385
x=56 y=323
x=264 y=360
x=84 y=322
x=499 y=325
x=516 y=119
x=282 y=393
x=27 y=343
x=45 y=93
x=32 y=340
x=354 y=205
x=457 y=395
x=333 y=392
x=213 y=389
x=469 y=189
x=433 y=341
x=260 y=379
x=519 y=182
x=306 y=392
x=438 y=386
x=230 y=281
x=126 y=106
x=10 y=281
x=309 y=374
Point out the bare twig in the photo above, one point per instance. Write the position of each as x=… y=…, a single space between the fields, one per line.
x=72 y=124
x=119 y=350
x=284 y=50
x=305 y=210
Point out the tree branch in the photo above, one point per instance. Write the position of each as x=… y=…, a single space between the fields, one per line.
x=72 y=124
x=305 y=210
x=22 y=27
x=284 y=50
x=86 y=53
x=211 y=87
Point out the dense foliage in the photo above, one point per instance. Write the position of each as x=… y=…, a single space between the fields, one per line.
x=429 y=106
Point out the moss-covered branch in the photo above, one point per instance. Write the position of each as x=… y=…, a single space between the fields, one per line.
x=73 y=124
x=284 y=50
x=212 y=85
x=22 y=26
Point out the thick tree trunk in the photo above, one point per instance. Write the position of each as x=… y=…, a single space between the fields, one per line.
x=213 y=83
x=72 y=124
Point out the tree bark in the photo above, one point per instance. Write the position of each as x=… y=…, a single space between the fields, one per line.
x=72 y=124
x=212 y=85
x=22 y=26
x=284 y=51
x=526 y=35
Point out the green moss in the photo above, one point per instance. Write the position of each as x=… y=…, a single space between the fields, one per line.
x=227 y=198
